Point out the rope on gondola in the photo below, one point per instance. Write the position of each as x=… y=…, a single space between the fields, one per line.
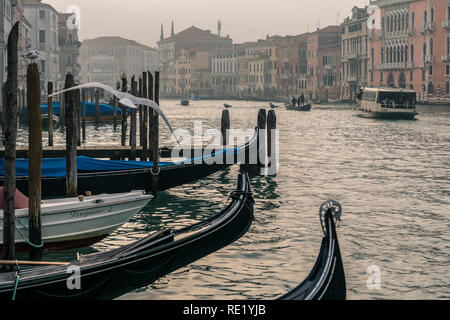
x=157 y=173
x=16 y=281
x=27 y=240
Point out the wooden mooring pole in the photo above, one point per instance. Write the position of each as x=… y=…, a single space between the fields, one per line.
x=71 y=139
x=262 y=125
x=146 y=83
x=83 y=114
x=10 y=131
x=124 y=113
x=115 y=112
x=97 y=107
x=50 y=114
x=141 y=115
x=225 y=127
x=272 y=152
x=133 y=122
x=77 y=98
x=35 y=158
x=154 y=140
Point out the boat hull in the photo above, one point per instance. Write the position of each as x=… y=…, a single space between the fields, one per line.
x=75 y=223
x=114 y=273
x=305 y=108
x=389 y=115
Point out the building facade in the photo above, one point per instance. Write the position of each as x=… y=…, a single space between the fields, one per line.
x=106 y=59
x=320 y=44
x=355 y=53
x=12 y=11
x=191 y=38
x=412 y=47
x=44 y=38
x=69 y=46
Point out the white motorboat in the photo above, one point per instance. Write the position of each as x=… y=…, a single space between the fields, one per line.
x=76 y=222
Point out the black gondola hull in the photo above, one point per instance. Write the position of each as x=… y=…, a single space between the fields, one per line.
x=108 y=275
x=139 y=179
x=327 y=279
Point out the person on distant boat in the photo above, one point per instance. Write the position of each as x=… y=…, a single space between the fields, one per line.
x=294 y=101
x=301 y=100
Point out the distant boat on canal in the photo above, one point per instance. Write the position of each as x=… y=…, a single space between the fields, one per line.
x=106 y=112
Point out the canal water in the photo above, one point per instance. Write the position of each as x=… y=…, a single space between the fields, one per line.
x=391 y=177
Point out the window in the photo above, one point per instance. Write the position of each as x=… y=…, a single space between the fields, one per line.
x=42 y=36
x=447 y=69
x=43 y=66
x=42 y=14
x=411 y=76
x=430 y=70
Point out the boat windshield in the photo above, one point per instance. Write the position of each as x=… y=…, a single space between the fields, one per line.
x=400 y=100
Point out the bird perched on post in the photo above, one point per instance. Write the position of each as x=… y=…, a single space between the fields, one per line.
x=227 y=106
x=32 y=55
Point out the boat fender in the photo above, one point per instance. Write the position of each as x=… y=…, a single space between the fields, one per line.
x=81 y=198
x=88 y=193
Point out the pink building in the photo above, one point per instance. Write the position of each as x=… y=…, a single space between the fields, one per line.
x=412 y=47
x=324 y=64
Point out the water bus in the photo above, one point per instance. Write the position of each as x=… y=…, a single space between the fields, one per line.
x=388 y=103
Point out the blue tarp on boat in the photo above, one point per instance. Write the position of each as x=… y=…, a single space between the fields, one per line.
x=56 y=168
x=104 y=109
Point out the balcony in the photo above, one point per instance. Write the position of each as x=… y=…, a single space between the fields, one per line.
x=352 y=56
x=446 y=58
x=446 y=24
x=429 y=59
x=426 y=28
x=411 y=31
x=328 y=67
x=286 y=76
x=395 y=66
x=352 y=78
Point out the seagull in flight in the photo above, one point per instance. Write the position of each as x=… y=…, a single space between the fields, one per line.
x=32 y=55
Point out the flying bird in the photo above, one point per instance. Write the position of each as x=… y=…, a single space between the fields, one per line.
x=126 y=99
x=32 y=55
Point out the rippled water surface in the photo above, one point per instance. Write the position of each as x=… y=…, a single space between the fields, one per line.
x=392 y=178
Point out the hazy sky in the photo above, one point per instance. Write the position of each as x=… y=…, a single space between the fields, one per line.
x=243 y=20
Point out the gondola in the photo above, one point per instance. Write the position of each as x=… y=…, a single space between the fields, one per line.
x=306 y=107
x=105 y=176
x=327 y=279
x=111 y=274
x=184 y=102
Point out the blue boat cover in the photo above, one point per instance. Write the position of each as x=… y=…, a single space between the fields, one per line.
x=104 y=109
x=56 y=168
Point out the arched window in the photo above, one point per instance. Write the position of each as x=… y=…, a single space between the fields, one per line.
x=412 y=54
x=382 y=55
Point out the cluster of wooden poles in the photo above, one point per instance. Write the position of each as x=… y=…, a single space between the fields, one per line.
x=75 y=127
